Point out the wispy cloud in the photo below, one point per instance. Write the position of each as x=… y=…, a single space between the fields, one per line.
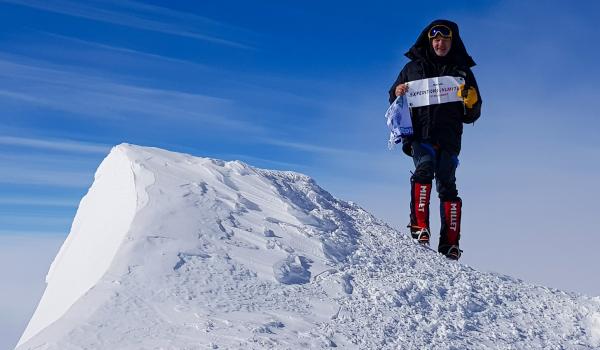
x=66 y=42
x=314 y=148
x=86 y=94
x=48 y=169
x=39 y=201
x=55 y=145
x=26 y=234
x=140 y=16
x=41 y=221
x=25 y=175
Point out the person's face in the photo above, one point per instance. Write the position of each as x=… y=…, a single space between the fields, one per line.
x=441 y=46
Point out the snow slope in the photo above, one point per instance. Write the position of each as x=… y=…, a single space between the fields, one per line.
x=170 y=251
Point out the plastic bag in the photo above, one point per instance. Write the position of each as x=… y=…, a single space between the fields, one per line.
x=399 y=121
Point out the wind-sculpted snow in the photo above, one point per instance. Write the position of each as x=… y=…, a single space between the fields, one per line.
x=221 y=255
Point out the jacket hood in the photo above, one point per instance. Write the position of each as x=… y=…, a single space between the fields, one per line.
x=421 y=50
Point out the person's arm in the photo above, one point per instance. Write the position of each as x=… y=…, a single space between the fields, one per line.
x=472 y=99
x=399 y=87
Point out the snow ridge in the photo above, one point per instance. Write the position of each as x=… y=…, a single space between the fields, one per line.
x=221 y=255
x=85 y=256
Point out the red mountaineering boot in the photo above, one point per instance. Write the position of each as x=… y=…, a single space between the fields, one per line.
x=451 y=212
x=419 y=211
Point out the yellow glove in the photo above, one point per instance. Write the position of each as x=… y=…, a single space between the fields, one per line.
x=471 y=96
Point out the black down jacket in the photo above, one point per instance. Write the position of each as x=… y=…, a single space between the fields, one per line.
x=440 y=124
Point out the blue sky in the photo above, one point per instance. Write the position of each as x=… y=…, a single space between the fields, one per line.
x=303 y=86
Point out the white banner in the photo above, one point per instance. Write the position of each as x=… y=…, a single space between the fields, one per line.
x=434 y=91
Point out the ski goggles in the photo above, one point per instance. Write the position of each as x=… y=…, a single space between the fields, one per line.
x=441 y=30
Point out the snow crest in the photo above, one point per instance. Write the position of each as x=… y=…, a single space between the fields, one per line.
x=104 y=217
x=198 y=253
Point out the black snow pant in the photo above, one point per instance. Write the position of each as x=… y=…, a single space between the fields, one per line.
x=435 y=163
x=432 y=162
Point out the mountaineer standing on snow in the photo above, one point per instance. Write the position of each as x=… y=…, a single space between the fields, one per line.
x=435 y=143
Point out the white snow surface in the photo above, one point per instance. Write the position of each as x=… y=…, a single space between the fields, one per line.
x=170 y=251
